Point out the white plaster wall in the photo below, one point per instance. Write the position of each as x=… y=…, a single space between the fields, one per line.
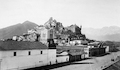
x=86 y=50
x=23 y=60
x=44 y=34
x=5 y=54
x=62 y=59
x=51 y=56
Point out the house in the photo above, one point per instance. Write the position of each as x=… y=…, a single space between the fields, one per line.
x=17 y=55
x=75 y=29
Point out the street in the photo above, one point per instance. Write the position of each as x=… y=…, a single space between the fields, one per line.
x=96 y=63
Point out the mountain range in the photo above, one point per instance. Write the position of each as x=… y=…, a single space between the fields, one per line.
x=111 y=33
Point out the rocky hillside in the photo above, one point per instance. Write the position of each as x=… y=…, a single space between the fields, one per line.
x=17 y=29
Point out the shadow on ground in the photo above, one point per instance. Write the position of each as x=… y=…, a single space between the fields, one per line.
x=115 y=66
x=48 y=67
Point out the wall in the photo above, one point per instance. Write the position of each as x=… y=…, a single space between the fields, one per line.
x=96 y=51
x=24 y=60
x=44 y=35
x=86 y=50
x=52 y=56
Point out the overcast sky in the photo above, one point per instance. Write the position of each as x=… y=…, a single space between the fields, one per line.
x=88 y=13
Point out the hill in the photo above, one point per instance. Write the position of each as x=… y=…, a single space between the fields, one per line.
x=17 y=29
x=111 y=33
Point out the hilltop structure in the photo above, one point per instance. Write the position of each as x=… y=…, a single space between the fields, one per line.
x=69 y=34
x=54 y=30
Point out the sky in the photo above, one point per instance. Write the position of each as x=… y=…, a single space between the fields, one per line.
x=88 y=13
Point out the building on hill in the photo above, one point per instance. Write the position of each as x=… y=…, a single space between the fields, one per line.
x=52 y=23
x=75 y=29
x=71 y=33
x=45 y=34
x=39 y=33
x=77 y=32
x=77 y=37
x=53 y=30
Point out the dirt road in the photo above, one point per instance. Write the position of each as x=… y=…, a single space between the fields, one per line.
x=96 y=63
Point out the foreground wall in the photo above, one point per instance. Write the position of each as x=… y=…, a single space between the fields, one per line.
x=26 y=58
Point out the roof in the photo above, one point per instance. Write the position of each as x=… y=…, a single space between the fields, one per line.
x=72 y=47
x=20 y=45
x=72 y=50
x=93 y=45
x=75 y=53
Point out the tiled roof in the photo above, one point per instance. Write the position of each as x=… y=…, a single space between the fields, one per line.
x=75 y=53
x=72 y=47
x=72 y=50
x=21 y=45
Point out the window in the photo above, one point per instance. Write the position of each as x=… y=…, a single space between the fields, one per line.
x=29 y=53
x=41 y=52
x=14 y=54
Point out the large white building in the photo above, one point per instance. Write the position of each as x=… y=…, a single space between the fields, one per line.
x=23 y=54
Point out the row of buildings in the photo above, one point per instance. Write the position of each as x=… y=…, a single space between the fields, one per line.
x=63 y=36
x=54 y=30
x=37 y=48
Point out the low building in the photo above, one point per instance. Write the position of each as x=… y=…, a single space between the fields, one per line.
x=18 y=55
x=94 y=51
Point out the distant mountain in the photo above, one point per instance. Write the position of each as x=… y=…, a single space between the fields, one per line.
x=111 y=33
x=17 y=29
